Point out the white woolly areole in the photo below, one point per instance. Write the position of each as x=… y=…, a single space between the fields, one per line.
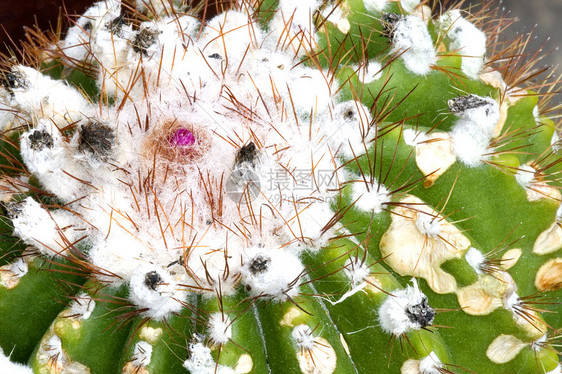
x=274 y=273
x=370 y=72
x=219 y=328
x=201 y=361
x=392 y=313
x=525 y=175
x=413 y=137
x=409 y=5
x=430 y=364
x=475 y=259
x=76 y=42
x=18 y=268
x=510 y=300
x=12 y=367
x=473 y=131
x=155 y=289
x=142 y=354
x=47 y=98
x=370 y=197
x=348 y=130
x=411 y=38
x=82 y=307
x=467 y=38
x=356 y=270
x=428 y=224
x=375 y=6
x=50 y=232
x=303 y=337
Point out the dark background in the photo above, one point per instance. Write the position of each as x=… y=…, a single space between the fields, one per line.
x=544 y=14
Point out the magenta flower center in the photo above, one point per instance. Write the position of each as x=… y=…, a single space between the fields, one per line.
x=182 y=138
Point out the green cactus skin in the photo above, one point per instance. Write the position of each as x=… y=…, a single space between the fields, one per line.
x=364 y=186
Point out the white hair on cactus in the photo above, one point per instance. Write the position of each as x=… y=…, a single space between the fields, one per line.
x=292 y=26
x=200 y=361
x=50 y=158
x=271 y=273
x=51 y=232
x=303 y=337
x=76 y=44
x=409 y=5
x=412 y=41
x=142 y=354
x=413 y=137
x=82 y=306
x=18 y=268
x=12 y=367
x=431 y=364
x=474 y=129
x=335 y=14
x=44 y=97
x=475 y=259
x=219 y=328
x=356 y=270
x=230 y=35
x=309 y=90
x=349 y=128
x=375 y=6
x=467 y=38
x=405 y=310
x=155 y=290
x=369 y=72
x=525 y=175
x=370 y=197
x=428 y=224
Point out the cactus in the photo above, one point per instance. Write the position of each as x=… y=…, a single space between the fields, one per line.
x=328 y=187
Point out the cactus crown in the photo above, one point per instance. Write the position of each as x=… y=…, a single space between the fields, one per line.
x=312 y=187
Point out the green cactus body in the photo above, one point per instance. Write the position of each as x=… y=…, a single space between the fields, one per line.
x=288 y=187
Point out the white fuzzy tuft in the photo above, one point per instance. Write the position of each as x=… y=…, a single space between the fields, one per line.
x=303 y=337
x=370 y=197
x=200 y=361
x=525 y=175
x=413 y=138
x=18 y=268
x=274 y=273
x=430 y=364
x=467 y=38
x=155 y=290
x=76 y=43
x=142 y=354
x=428 y=225
x=474 y=129
x=219 y=328
x=475 y=259
x=375 y=6
x=370 y=72
x=356 y=270
x=44 y=97
x=393 y=316
x=409 y=5
x=49 y=231
x=82 y=307
x=411 y=38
